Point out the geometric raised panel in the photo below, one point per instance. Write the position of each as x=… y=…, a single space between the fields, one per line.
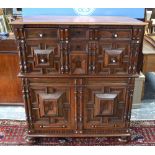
x=113 y=57
x=78 y=62
x=50 y=104
x=43 y=58
x=105 y=104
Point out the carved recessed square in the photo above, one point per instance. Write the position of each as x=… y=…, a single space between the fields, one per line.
x=78 y=61
x=50 y=104
x=113 y=57
x=105 y=104
x=43 y=58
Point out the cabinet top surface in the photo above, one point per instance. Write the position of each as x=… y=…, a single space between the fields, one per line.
x=79 y=20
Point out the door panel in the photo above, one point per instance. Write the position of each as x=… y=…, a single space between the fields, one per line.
x=52 y=105
x=105 y=104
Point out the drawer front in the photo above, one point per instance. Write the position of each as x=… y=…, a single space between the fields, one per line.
x=124 y=34
x=51 y=105
x=42 y=57
x=103 y=58
x=110 y=58
x=113 y=58
x=106 y=104
x=41 y=33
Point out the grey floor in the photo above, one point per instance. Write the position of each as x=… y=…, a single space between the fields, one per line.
x=145 y=112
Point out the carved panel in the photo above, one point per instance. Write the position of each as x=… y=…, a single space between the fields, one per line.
x=113 y=58
x=78 y=62
x=43 y=57
x=105 y=104
x=51 y=105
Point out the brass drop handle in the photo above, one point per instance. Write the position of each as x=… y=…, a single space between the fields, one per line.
x=40 y=35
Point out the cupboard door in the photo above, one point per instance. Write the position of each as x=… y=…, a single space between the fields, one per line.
x=52 y=106
x=106 y=104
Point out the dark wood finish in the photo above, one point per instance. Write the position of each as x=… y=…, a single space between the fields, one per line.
x=78 y=77
x=10 y=87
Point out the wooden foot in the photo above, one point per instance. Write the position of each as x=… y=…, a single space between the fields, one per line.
x=124 y=139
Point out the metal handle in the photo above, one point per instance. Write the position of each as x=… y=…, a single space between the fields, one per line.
x=113 y=60
x=115 y=35
x=40 y=35
x=42 y=60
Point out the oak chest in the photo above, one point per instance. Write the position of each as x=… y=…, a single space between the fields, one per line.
x=78 y=74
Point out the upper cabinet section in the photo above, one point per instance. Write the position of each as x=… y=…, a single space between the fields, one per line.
x=70 y=49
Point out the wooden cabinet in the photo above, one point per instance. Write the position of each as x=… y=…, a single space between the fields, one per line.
x=78 y=74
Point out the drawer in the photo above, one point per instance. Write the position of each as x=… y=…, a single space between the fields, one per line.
x=115 y=34
x=41 y=33
x=42 y=56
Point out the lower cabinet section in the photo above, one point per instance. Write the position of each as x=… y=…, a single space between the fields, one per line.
x=60 y=107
